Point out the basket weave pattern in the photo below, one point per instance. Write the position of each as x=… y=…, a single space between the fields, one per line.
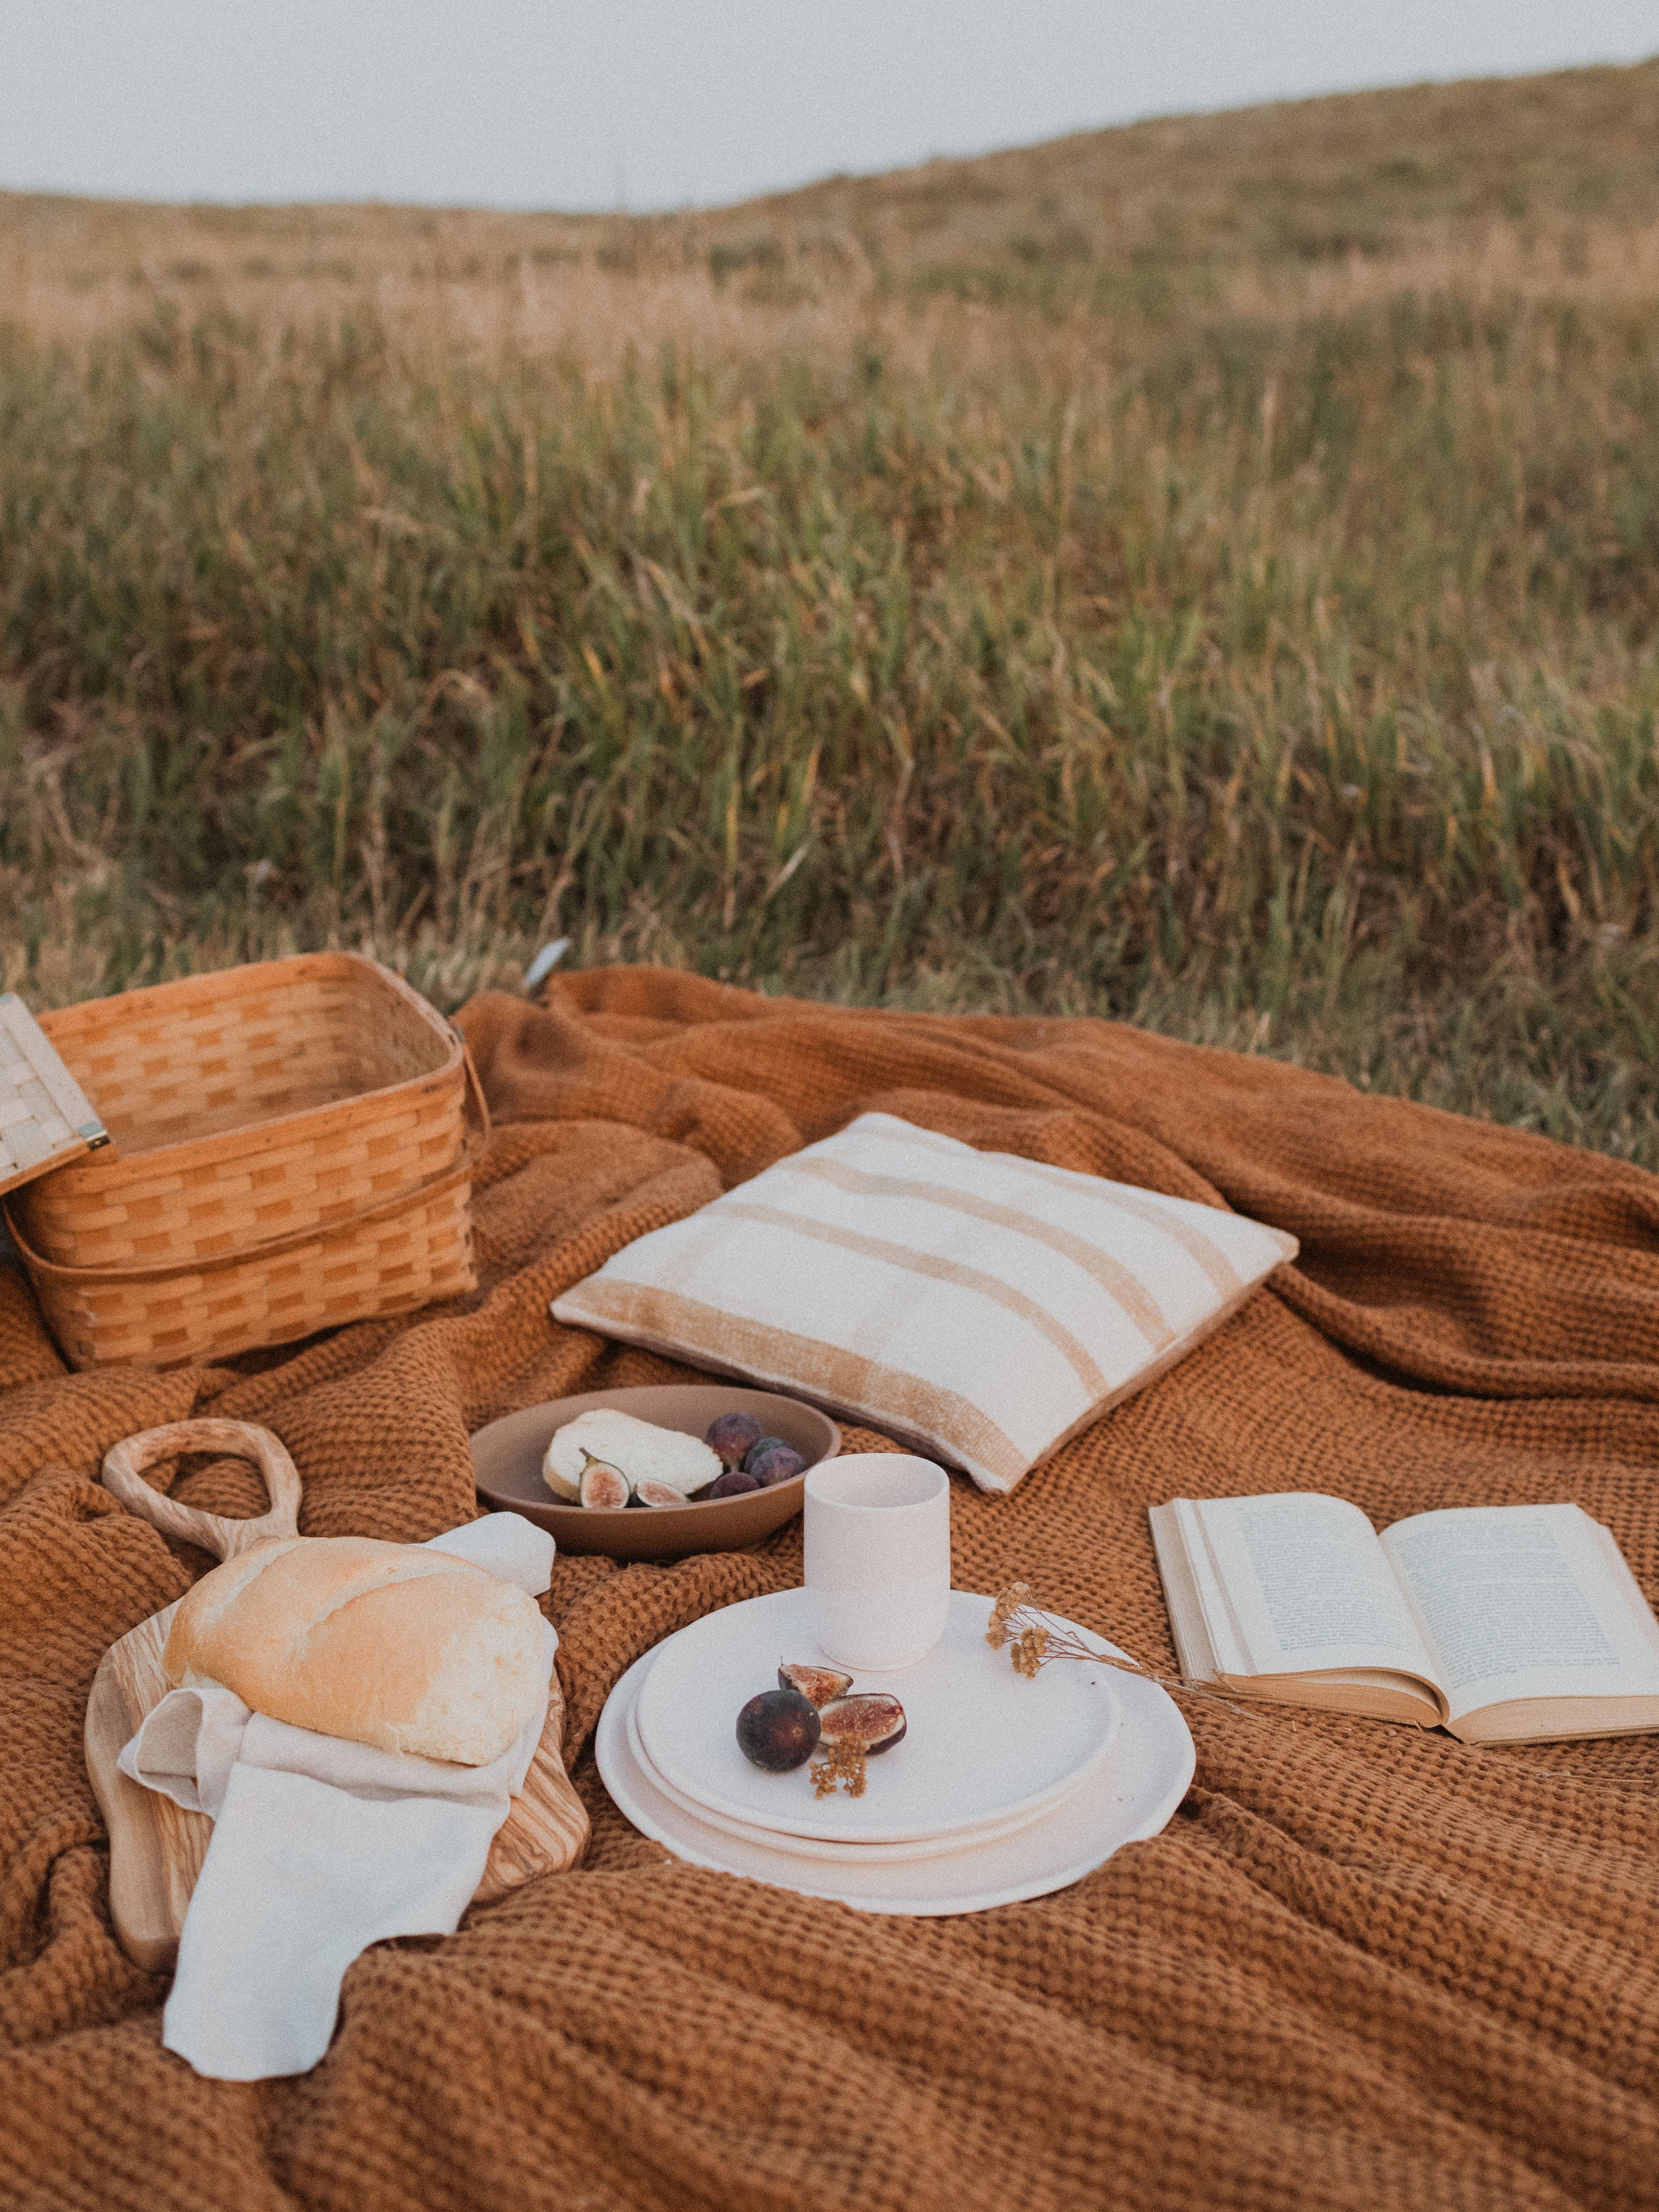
x=289 y=1153
x=393 y=1265
x=310 y=1171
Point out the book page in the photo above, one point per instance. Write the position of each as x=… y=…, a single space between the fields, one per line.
x=1194 y=1647
x=1522 y=1602
x=1298 y=1582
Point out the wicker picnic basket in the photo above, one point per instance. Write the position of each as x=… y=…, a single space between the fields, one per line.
x=289 y=1151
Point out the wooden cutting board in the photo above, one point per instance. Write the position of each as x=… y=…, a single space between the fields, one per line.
x=155 y=1847
x=45 y=1118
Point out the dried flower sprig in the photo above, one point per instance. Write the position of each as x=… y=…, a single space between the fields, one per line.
x=842 y=1766
x=1037 y=1637
x=1033 y=1637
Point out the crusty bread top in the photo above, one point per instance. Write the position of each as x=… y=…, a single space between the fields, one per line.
x=390 y=1645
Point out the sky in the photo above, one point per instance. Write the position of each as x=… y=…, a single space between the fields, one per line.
x=588 y=105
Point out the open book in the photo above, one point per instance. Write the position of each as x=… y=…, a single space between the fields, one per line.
x=1505 y=1624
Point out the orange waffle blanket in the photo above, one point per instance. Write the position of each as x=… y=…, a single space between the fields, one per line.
x=1363 y=1967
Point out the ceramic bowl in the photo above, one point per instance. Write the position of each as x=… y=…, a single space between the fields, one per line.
x=506 y=1465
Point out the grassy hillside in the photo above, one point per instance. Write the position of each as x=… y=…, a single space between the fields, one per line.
x=1207 y=571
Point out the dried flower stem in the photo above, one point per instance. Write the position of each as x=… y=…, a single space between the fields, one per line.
x=1033 y=1637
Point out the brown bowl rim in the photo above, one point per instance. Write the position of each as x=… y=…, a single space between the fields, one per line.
x=598 y=1521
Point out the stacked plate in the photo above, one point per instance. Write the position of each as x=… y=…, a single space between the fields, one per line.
x=1002 y=1788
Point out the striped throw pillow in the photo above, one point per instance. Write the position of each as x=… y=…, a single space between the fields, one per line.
x=981 y=1307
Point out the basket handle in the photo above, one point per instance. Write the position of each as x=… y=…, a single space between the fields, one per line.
x=476 y=1105
x=124 y=1468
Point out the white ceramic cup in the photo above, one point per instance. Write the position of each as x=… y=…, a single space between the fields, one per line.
x=878 y=1558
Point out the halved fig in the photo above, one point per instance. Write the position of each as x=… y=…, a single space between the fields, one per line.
x=820 y=1684
x=603 y=1485
x=872 y=1719
x=656 y=1494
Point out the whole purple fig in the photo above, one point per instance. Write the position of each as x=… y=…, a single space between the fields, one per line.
x=732 y=1484
x=762 y=1445
x=778 y=1731
x=731 y=1435
x=781 y=1464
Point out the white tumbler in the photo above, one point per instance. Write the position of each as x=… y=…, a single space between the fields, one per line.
x=878 y=1558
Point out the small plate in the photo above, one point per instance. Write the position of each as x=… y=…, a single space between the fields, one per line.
x=981 y=1743
x=507 y=1465
x=1126 y=1800
x=805 y=1847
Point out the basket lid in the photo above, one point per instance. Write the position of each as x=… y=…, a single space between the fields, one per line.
x=46 y=1119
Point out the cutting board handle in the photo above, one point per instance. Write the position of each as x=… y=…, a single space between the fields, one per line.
x=124 y=1463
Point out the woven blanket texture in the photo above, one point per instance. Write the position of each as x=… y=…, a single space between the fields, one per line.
x=1363 y=1967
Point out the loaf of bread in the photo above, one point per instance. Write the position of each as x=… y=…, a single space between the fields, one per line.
x=390 y=1645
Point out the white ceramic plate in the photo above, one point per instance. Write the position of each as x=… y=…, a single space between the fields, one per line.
x=982 y=1744
x=1125 y=1801
x=805 y=1847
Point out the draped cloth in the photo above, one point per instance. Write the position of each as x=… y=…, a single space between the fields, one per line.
x=1364 y=1966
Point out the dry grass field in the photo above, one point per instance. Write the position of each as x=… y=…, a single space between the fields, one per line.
x=1207 y=572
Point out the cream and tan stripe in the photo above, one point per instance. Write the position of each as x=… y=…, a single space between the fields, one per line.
x=938 y=1270
x=1119 y=1284
x=1181 y=1227
x=688 y=1330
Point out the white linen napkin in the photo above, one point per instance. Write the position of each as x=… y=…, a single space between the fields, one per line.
x=320 y=1848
